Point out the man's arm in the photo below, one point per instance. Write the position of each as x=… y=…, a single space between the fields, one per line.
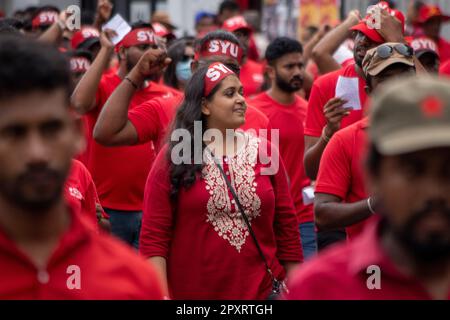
x=83 y=97
x=314 y=146
x=113 y=127
x=324 y=50
x=331 y=214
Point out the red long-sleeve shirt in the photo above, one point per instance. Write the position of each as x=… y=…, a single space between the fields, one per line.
x=209 y=252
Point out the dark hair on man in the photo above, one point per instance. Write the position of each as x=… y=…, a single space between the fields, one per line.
x=31 y=66
x=229 y=5
x=280 y=47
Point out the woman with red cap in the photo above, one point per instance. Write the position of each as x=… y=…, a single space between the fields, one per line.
x=197 y=211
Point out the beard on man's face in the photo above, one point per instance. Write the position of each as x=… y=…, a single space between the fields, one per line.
x=35 y=190
x=436 y=246
x=293 y=85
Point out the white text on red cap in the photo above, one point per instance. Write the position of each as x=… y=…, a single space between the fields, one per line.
x=225 y=47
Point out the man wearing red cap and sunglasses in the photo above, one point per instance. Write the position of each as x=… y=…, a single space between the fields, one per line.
x=338 y=98
x=119 y=173
x=430 y=19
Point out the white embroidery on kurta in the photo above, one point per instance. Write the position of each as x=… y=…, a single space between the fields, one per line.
x=223 y=213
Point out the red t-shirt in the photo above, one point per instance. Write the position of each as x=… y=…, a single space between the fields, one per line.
x=252 y=77
x=342 y=273
x=341 y=169
x=444 y=69
x=119 y=173
x=106 y=268
x=288 y=119
x=324 y=89
x=153 y=118
x=80 y=192
x=209 y=252
x=444 y=50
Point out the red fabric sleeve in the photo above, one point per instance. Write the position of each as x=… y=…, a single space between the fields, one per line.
x=334 y=176
x=157 y=219
x=315 y=119
x=285 y=222
x=145 y=118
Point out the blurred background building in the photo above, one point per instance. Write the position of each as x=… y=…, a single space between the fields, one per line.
x=273 y=17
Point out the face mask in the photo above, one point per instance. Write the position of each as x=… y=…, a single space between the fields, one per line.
x=183 y=70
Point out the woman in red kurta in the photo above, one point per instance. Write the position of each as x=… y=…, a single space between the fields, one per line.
x=192 y=229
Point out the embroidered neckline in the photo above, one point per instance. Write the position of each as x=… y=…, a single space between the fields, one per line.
x=223 y=213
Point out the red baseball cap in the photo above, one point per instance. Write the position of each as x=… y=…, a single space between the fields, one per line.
x=427 y=12
x=372 y=33
x=85 y=37
x=236 y=23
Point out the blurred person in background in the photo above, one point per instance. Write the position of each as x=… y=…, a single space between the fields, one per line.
x=178 y=72
x=407 y=172
x=252 y=72
x=430 y=19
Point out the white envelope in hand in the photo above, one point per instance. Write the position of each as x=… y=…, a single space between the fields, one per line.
x=120 y=26
x=348 y=89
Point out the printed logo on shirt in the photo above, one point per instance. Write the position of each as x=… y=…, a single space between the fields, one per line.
x=74 y=192
x=259 y=78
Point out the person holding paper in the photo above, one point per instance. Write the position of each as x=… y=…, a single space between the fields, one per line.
x=119 y=173
x=341 y=198
x=287 y=112
x=327 y=110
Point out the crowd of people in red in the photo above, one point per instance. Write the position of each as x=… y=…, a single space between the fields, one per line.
x=194 y=168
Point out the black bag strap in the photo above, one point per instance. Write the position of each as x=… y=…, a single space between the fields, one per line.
x=244 y=215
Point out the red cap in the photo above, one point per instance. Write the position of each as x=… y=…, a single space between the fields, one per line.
x=371 y=33
x=85 y=33
x=427 y=12
x=137 y=37
x=216 y=47
x=161 y=31
x=424 y=44
x=44 y=18
x=236 y=23
x=214 y=75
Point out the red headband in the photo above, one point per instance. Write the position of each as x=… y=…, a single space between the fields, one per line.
x=79 y=64
x=44 y=18
x=215 y=74
x=136 y=37
x=220 y=48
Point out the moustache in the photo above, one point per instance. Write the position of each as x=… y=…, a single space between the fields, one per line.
x=439 y=206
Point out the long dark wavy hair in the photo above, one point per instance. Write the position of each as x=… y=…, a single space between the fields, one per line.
x=184 y=175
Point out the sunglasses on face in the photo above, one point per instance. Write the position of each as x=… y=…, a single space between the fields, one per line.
x=386 y=51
